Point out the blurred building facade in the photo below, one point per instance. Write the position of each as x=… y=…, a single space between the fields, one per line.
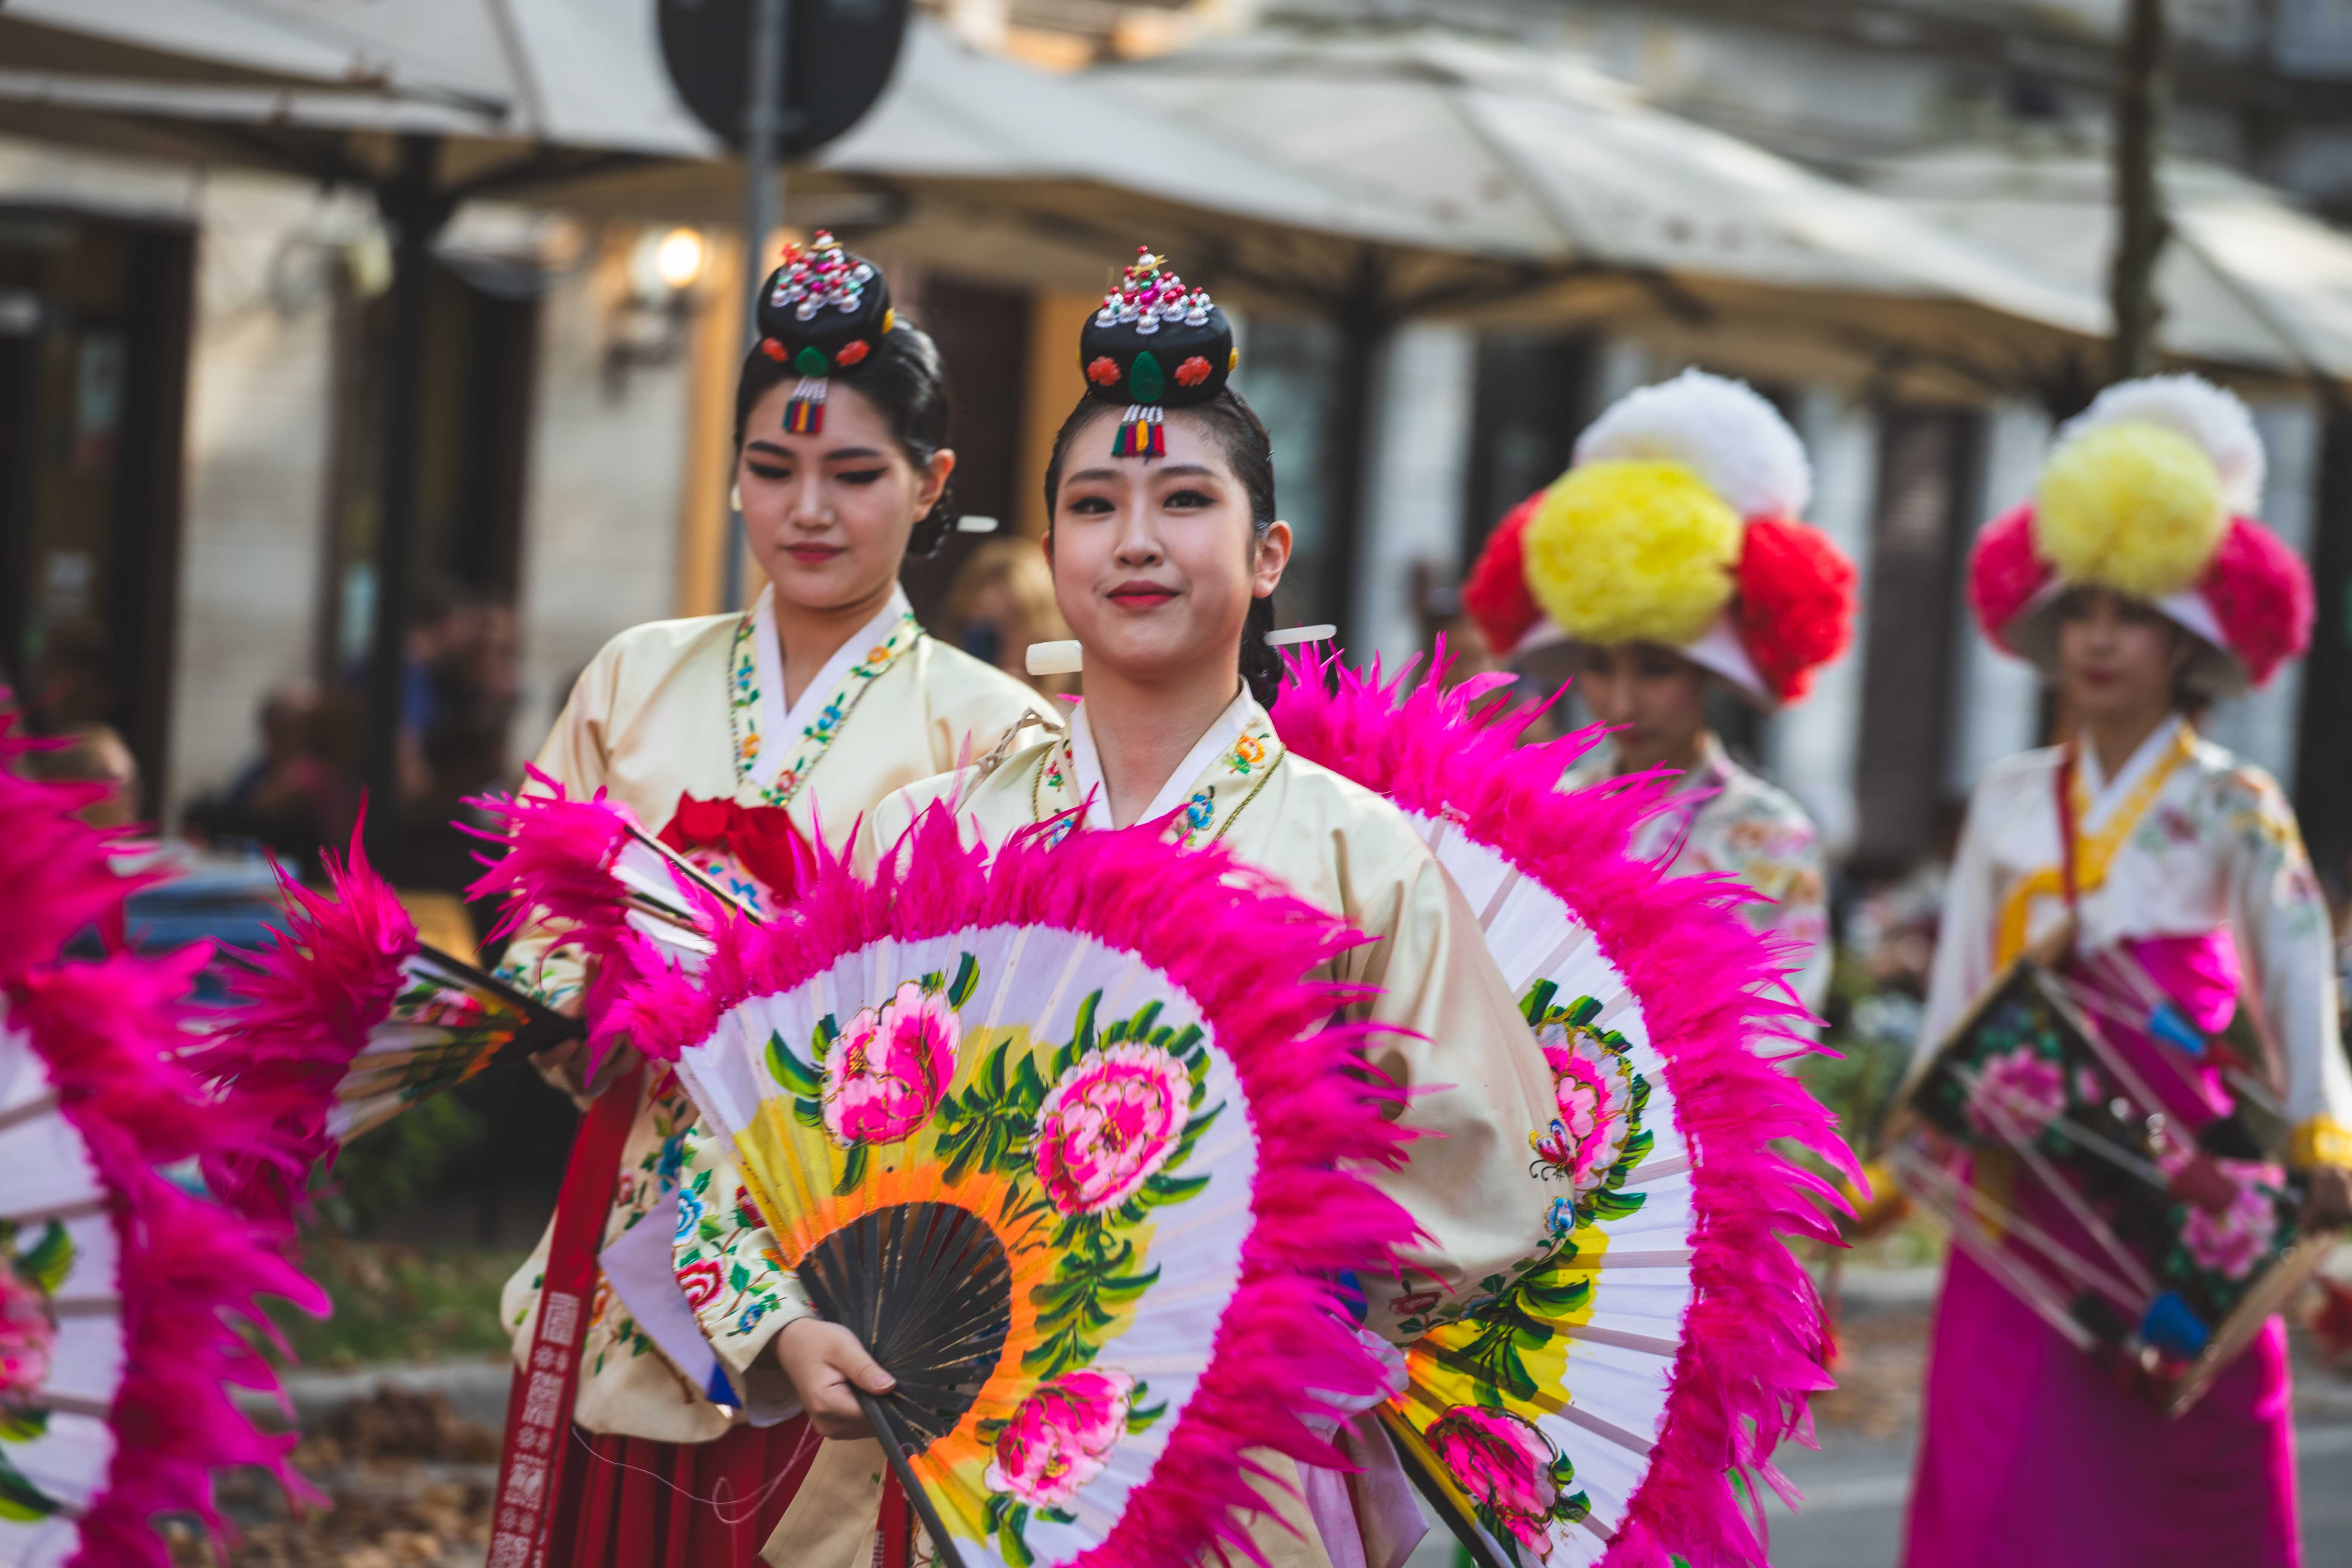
x=187 y=421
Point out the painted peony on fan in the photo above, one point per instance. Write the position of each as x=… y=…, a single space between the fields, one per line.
x=1060 y=1135
x=118 y=1291
x=1592 y=1405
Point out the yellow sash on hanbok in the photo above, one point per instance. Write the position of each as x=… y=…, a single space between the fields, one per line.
x=2093 y=852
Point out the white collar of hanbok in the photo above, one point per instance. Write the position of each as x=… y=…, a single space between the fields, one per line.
x=2104 y=796
x=775 y=746
x=1206 y=791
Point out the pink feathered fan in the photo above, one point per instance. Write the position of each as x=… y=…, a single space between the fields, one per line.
x=120 y=1295
x=1593 y=1405
x=1063 y=1134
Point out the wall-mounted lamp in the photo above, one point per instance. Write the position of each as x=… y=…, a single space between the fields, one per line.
x=649 y=324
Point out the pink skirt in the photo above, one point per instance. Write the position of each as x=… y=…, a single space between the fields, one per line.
x=2032 y=1456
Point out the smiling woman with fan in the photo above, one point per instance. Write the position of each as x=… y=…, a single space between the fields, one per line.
x=1166 y=550
x=741 y=740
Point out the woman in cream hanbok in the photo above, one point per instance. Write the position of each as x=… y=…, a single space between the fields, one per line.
x=2137 y=587
x=733 y=735
x=1164 y=564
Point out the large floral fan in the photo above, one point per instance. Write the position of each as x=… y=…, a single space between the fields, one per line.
x=1595 y=1403
x=118 y=1291
x=1065 y=1135
x=347 y=1021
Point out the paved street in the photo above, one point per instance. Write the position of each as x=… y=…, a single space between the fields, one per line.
x=1856 y=1483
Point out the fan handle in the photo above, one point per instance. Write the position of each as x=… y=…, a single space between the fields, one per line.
x=944 y=1544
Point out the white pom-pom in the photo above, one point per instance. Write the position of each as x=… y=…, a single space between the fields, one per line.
x=2189 y=405
x=1720 y=429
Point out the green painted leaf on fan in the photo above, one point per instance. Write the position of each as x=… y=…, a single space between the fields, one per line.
x=1583 y=1010
x=933 y=982
x=827 y=1036
x=1082 y=1038
x=1140 y=1417
x=809 y=1112
x=1617 y=1205
x=1187 y=1043
x=22 y=1502
x=1009 y=1526
x=49 y=1260
x=853 y=1170
x=789 y=1071
x=1161 y=1189
x=23 y=1426
x=1058 y=1516
x=1538 y=1001
x=967 y=980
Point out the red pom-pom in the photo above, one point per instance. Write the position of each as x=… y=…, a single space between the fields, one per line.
x=851 y=352
x=2004 y=574
x=772 y=349
x=1496 y=592
x=2261 y=592
x=1104 y=371
x=1796 y=602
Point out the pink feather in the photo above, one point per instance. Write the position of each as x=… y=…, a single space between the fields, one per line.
x=305 y=1014
x=1237 y=944
x=557 y=871
x=1755 y=1336
x=109 y=1036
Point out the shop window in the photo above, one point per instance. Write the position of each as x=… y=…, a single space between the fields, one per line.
x=94 y=327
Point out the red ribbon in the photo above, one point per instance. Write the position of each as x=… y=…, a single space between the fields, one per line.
x=539 y=1405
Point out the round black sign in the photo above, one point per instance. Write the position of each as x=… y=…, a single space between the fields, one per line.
x=839 y=57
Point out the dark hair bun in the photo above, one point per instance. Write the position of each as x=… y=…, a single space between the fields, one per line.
x=824 y=311
x=1155 y=342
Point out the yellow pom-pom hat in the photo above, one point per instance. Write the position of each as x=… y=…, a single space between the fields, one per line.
x=2147 y=493
x=1675 y=524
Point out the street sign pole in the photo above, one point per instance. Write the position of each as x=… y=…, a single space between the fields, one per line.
x=763 y=203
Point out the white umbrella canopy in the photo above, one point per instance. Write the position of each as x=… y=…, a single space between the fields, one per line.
x=2248 y=282
x=1532 y=155
x=541 y=71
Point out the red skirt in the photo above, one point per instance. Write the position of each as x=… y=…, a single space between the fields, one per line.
x=631 y=1502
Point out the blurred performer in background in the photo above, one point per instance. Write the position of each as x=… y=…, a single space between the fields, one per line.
x=1672 y=557
x=2135 y=583
x=743 y=733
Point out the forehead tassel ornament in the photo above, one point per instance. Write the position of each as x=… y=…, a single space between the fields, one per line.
x=825 y=312
x=1154 y=344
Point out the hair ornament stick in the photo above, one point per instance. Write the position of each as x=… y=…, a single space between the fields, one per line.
x=1291 y=637
x=1055 y=658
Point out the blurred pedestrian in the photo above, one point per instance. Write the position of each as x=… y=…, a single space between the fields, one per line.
x=739 y=735
x=301 y=794
x=92 y=753
x=1002 y=601
x=2133 y=583
x=1670 y=558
